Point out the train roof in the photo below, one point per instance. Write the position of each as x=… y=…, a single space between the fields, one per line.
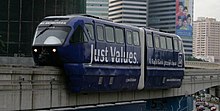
x=105 y=21
x=163 y=33
x=97 y=19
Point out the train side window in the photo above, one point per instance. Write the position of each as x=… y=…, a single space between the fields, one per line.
x=100 y=32
x=78 y=36
x=129 y=37
x=119 y=35
x=90 y=29
x=163 y=42
x=149 y=40
x=180 y=46
x=136 y=38
x=109 y=34
x=176 y=46
x=169 y=44
x=156 y=41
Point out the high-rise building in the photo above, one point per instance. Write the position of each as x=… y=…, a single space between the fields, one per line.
x=19 y=19
x=131 y=12
x=206 y=38
x=163 y=15
x=97 y=8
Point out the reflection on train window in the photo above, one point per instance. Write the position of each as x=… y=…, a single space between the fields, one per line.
x=149 y=40
x=156 y=41
x=109 y=34
x=51 y=35
x=78 y=36
x=129 y=37
x=89 y=28
x=119 y=35
x=100 y=32
x=180 y=46
x=163 y=42
x=169 y=44
x=136 y=38
x=176 y=46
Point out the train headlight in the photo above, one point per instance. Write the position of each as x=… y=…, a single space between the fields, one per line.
x=35 y=50
x=54 y=50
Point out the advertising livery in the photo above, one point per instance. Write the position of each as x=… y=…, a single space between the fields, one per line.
x=99 y=55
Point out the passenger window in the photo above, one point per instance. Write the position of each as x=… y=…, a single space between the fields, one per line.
x=180 y=46
x=169 y=44
x=156 y=41
x=109 y=34
x=119 y=35
x=129 y=37
x=136 y=38
x=100 y=32
x=78 y=36
x=176 y=45
x=89 y=28
x=149 y=40
x=163 y=42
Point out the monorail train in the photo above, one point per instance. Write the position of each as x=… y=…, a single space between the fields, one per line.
x=99 y=55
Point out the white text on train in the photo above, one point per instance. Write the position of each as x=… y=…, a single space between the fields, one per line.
x=113 y=54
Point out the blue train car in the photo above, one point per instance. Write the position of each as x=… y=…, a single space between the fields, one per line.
x=99 y=55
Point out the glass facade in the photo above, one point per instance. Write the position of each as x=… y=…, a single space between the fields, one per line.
x=19 y=19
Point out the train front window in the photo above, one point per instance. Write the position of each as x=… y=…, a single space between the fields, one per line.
x=51 y=35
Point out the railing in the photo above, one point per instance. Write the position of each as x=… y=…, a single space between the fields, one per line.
x=201 y=65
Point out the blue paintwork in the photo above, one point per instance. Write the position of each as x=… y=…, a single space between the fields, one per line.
x=94 y=66
x=84 y=78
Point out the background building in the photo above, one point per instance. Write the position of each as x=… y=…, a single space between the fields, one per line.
x=19 y=18
x=97 y=8
x=206 y=38
x=162 y=15
x=131 y=12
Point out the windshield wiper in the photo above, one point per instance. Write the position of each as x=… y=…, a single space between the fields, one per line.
x=44 y=30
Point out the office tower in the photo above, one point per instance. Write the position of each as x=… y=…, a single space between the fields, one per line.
x=97 y=8
x=19 y=19
x=131 y=12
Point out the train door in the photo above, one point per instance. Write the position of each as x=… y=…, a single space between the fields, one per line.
x=100 y=55
x=163 y=51
x=81 y=53
x=169 y=54
x=150 y=49
x=157 y=50
x=80 y=42
x=150 y=58
x=180 y=55
x=175 y=52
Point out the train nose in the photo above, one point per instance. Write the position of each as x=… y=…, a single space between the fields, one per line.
x=42 y=59
x=46 y=56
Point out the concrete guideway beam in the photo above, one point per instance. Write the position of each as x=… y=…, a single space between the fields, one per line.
x=44 y=87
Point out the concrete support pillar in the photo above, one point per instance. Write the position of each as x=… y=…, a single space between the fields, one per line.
x=212 y=91
x=217 y=91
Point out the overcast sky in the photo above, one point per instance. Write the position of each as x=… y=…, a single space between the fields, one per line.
x=207 y=8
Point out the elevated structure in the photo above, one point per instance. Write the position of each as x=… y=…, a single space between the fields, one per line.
x=44 y=87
